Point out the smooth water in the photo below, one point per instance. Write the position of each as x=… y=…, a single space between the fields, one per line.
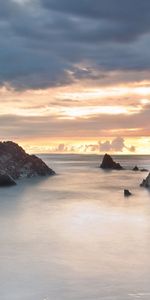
x=74 y=236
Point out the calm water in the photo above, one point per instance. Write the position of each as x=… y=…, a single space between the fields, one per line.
x=74 y=236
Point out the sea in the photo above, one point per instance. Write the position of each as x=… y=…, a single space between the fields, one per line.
x=74 y=236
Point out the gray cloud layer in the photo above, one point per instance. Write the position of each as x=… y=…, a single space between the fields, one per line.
x=42 y=40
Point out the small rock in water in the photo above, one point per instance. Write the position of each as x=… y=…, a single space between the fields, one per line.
x=127 y=193
x=144 y=170
x=135 y=168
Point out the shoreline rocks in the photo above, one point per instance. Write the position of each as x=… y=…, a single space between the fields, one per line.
x=109 y=164
x=15 y=163
x=146 y=182
x=6 y=180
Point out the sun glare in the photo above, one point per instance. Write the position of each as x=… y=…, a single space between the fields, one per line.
x=145 y=91
x=76 y=112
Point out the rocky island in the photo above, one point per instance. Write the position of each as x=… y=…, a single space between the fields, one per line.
x=15 y=163
x=109 y=164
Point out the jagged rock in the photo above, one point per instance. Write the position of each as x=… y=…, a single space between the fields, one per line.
x=15 y=162
x=6 y=180
x=146 y=182
x=127 y=193
x=135 y=169
x=109 y=163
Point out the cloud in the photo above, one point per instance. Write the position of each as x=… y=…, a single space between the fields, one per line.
x=101 y=125
x=52 y=42
x=92 y=147
x=116 y=145
x=61 y=148
x=86 y=148
x=117 y=20
x=131 y=148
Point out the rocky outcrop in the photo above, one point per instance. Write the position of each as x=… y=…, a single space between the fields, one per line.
x=16 y=163
x=6 y=180
x=127 y=193
x=110 y=164
x=146 y=182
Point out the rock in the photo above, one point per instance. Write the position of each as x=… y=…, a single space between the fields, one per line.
x=135 y=169
x=6 y=180
x=127 y=193
x=16 y=163
x=144 y=170
x=35 y=166
x=108 y=163
x=146 y=182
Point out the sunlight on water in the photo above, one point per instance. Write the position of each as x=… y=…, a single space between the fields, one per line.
x=74 y=236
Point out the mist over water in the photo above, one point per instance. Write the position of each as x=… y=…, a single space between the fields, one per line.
x=74 y=236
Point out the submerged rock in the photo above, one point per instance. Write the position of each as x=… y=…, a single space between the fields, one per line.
x=6 y=180
x=146 y=182
x=127 y=193
x=109 y=163
x=16 y=163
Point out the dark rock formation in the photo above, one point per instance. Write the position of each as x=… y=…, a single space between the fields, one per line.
x=144 y=170
x=6 y=180
x=141 y=170
x=135 y=169
x=16 y=163
x=146 y=182
x=108 y=163
x=127 y=193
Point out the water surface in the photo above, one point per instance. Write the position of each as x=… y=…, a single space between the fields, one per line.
x=74 y=236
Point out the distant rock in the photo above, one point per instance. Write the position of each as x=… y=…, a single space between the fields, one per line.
x=127 y=193
x=144 y=170
x=135 y=169
x=146 y=182
x=109 y=163
x=16 y=163
x=6 y=180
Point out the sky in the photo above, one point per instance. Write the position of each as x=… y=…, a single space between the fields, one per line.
x=75 y=75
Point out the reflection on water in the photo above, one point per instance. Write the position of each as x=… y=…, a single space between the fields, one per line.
x=74 y=236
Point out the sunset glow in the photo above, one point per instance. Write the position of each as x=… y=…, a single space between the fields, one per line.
x=57 y=120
